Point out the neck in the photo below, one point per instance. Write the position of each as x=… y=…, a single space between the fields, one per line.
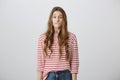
x=57 y=30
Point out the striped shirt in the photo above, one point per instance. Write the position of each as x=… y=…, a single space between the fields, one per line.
x=53 y=63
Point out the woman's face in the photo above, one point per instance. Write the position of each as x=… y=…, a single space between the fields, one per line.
x=57 y=19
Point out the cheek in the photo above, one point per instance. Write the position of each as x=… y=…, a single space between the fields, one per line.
x=61 y=20
x=53 y=21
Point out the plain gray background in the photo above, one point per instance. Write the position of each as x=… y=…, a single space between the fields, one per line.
x=96 y=23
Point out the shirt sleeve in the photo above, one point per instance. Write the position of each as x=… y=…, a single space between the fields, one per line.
x=40 y=55
x=74 y=55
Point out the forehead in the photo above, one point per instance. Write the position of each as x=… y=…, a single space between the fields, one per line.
x=57 y=13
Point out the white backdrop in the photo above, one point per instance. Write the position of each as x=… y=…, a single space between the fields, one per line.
x=96 y=23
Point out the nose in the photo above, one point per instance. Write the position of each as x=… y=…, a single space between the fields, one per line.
x=57 y=19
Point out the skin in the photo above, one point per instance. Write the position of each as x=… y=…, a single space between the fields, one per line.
x=57 y=20
x=39 y=75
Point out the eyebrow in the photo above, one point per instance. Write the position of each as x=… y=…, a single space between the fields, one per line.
x=58 y=15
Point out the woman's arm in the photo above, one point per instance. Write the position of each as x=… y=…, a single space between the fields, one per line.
x=39 y=75
x=74 y=58
x=40 y=59
x=74 y=76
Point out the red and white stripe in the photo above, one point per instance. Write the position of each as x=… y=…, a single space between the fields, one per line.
x=53 y=63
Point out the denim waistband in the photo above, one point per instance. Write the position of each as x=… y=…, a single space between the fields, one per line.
x=61 y=71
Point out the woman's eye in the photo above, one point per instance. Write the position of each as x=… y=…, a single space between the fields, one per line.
x=54 y=16
x=60 y=17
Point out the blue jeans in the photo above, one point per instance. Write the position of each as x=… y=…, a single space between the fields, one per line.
x=59 y=75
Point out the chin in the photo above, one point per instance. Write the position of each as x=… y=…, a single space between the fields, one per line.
x=56 y=26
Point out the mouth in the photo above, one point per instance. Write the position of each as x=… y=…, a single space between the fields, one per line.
x=56 y=23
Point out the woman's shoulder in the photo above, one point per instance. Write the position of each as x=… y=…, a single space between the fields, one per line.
x=42 y=36
x=72 y=37
x=71 y=34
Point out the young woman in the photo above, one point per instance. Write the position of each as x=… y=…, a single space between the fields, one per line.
x=57 y=50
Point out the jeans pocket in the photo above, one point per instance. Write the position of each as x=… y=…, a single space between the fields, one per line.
x=51 y=76
x=68 y=76
x=65 y=75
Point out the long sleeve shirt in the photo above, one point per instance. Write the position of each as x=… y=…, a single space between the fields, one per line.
x=53 y=63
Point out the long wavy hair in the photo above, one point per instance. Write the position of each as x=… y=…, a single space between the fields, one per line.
x=62 y=35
